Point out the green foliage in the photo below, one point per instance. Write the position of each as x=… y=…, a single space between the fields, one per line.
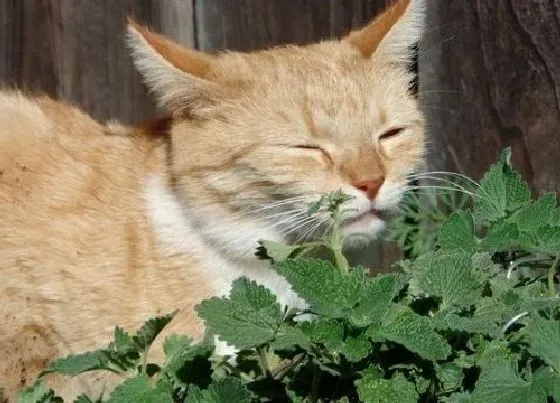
x=472 y=317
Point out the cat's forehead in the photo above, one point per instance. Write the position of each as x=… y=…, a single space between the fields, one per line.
x=327 y=78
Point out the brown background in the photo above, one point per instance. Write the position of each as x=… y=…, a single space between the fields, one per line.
x=489 y=71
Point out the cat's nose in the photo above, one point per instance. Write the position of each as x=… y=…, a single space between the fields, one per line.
x=370 y=187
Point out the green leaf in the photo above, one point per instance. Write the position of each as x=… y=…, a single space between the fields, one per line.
x=73 y=365
x=83 y=399
x=226 y=390
x=500 y=383
x=329 y=333
x=450 y=375
x=174 y=343
x=501 y=191
x=356 y=348
x=544 y=340
x=468 y=324
x=536 y=215
x=460 y=397
x=373 y=389
x=376 y=300
x=547 y=382
x=401 y=325
x=248 y=318
x=123 y=342
x=38 y=393
x=501 y=236
x=458 y=233
x=548 y=240
x=449 y=276
x=188 y=364
x=146 y=335
x=276 y=251
x=289 y=336
x=139 y=390
x=328 y=291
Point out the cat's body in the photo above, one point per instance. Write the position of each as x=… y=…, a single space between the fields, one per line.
x=106 y=225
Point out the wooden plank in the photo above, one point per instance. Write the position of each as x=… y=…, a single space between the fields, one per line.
x=75 y=50
x=257 y=24
x=490 y=78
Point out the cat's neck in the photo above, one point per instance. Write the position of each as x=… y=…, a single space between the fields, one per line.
x=223 y=250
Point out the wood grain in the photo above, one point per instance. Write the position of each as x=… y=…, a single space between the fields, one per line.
x=490 y=78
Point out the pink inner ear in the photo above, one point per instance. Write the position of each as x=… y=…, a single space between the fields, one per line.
x=190 y=61
x=368 y=38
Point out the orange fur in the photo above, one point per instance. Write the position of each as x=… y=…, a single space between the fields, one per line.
x=105 y=224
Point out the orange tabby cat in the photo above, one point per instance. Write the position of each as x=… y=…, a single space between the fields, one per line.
x=105 y=224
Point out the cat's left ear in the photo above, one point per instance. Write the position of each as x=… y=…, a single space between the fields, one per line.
x=391 y=35
x=180 y=78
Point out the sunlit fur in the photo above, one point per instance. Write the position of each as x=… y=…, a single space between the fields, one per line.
x=105 y=224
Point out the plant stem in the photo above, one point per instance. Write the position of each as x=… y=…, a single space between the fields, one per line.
x=551 y=275
x=336 y=243
x=263 y=361
x=315 y=385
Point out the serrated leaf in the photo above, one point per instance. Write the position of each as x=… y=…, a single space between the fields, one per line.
x=544 y=340
x=491 y=352
x=148 y=332
x=329 y=333
x=356 y=348
x=188 y=364
x=548 y=240
x=536 y=215
x=500 y=383
x=373 y=389
x=376 y=300
x=83 y=399
x=37 y=393
x=471 y=324
x=501 y=236
x=226 y=390
x=328 y=291
x=458 y=233
x=123 y=341
x=450 y=375
x=248 y=318
x=139 y=390
x=277 y=251
x=449 y=276
x=174 y=344
x=460 y=397
x=73 y=365
x=501 y=191
x=289 y=336
x=402 y=325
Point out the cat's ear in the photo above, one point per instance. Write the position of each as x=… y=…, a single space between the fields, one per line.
x=178 y=77
x=391 y=34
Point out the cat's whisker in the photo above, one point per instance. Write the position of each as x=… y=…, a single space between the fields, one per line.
x=435 y=178
x=444 y=188
x=311 y=230
x=465 y=177
x=424 y=52
x=432 y=175
x=297 y=225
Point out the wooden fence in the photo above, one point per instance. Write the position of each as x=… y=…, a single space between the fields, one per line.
x=489 y=71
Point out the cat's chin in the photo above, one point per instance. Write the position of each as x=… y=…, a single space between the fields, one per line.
x=361 y=231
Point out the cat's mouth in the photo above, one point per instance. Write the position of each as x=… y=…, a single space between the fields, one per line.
x=365 y=216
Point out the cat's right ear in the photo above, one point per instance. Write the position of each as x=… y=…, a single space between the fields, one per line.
x=177 y=76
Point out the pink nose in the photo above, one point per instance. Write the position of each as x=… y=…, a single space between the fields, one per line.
x=370 y=187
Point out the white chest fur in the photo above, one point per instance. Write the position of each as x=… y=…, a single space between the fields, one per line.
x=176 y=234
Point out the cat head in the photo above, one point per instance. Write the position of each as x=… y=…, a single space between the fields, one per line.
x=257 y=136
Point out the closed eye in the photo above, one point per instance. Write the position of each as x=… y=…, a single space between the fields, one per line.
x=391 y=133
x=315 y=148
